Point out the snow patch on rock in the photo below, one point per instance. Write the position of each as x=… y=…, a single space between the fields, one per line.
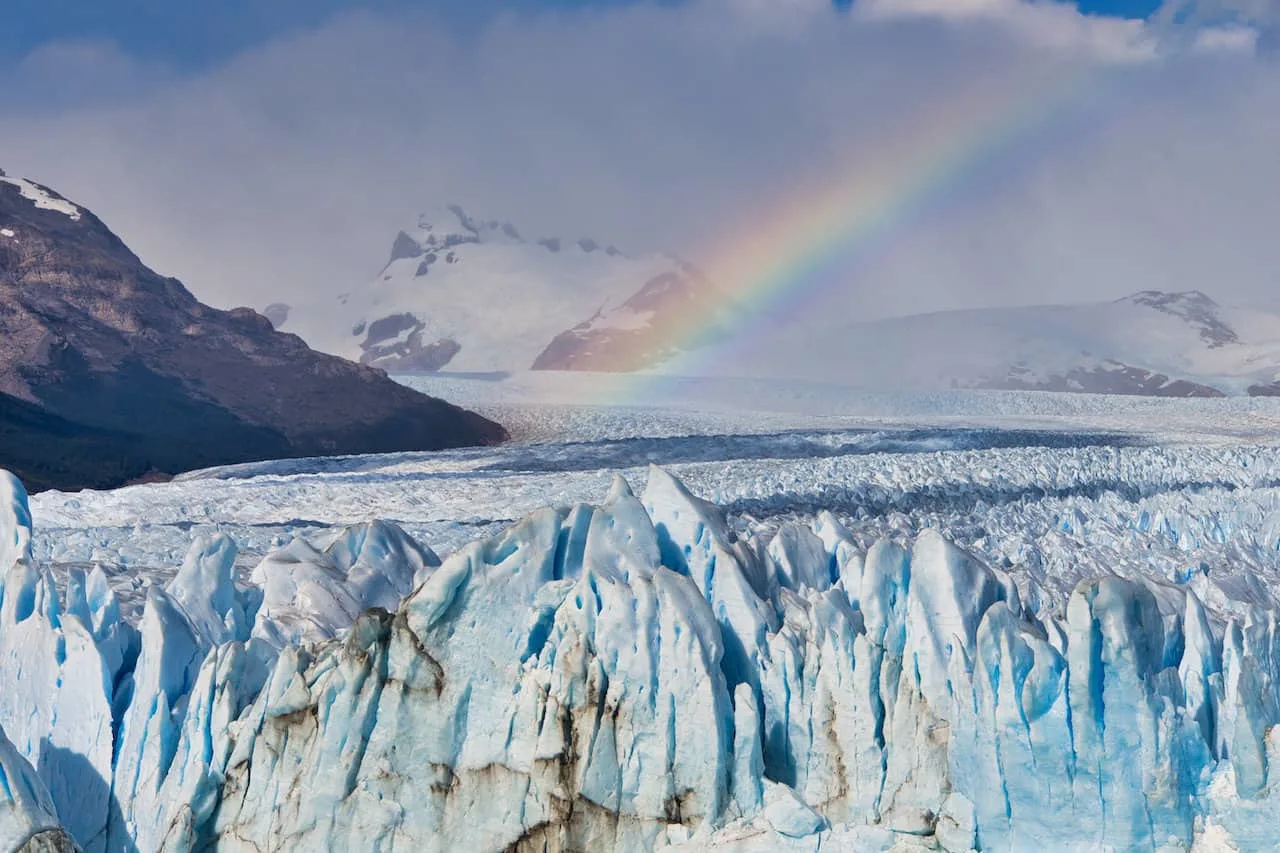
x=42 y=197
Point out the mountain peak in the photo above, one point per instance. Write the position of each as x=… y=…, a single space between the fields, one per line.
x=1194 y=307
x=452 y=225
x=1162 y=298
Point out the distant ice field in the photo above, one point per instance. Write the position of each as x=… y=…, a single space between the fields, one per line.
x=1055 y=487
x=551 y=406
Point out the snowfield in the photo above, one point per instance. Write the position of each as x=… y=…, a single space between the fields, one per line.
x=730 y=616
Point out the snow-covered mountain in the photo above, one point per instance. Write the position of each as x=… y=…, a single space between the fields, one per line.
x=471 y=295
x=1150 y=343
x=468 y=295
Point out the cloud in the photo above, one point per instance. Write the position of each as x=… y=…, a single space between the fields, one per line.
x=63 y=75
x=1227 y=39
x=1096 y=165
x=1054 y=26
x=1216 y=25
x=1204 y=12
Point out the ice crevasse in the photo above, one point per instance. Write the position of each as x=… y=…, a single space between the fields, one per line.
x=628 y=676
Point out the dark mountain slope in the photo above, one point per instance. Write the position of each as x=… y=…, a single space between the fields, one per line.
x=111 y=371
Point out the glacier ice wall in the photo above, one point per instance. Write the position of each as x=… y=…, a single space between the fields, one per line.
x=28 y=821
x=631 y=676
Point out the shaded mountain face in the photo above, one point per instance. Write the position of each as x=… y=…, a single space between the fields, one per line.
x=1111 y=377
x=641 y=332
x=110 y=371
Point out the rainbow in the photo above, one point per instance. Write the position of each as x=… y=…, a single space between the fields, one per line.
x=815 y=237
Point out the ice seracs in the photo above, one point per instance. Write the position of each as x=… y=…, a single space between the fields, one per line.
x=56 y=705
x=636 y=675
x=28 y=821
x=314 y=590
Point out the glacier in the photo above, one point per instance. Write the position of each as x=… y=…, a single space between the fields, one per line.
x=658 y=671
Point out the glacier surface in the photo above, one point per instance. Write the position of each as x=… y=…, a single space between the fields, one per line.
x=938 y=645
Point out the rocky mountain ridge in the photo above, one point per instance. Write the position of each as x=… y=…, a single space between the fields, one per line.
x=110 y=372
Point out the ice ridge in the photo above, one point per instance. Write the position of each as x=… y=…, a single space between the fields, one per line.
x=630 y=676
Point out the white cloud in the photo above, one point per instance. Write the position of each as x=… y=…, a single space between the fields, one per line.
x=1049 y=25
x=1218 y=25
x=1230 y=39
x=65 y=74
x=1087 y=174
x=1207 y=12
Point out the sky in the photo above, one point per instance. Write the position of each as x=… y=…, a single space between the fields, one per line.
x=197 y=35
x=1120 y=8
x=1020 y=151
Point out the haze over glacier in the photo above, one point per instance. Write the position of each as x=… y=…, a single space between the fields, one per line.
x=575 y=305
